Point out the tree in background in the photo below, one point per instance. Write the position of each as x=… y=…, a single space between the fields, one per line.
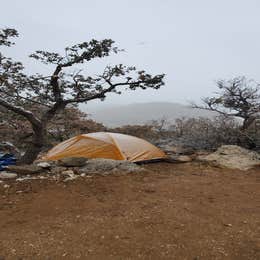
x=53 y=93
x=142 y=131
x=238 y=97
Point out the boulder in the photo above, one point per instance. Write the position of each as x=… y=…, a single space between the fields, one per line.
x=24 y=169
x=44 y=165
x=72 y=162
x=7 y=175
x=233 y=157
x=107 y=165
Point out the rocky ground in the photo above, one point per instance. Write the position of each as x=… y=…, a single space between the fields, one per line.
x=170 y=211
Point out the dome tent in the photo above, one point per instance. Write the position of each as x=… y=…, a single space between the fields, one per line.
x=106 y=145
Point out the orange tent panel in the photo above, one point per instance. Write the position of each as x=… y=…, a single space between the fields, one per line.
x=106 y=145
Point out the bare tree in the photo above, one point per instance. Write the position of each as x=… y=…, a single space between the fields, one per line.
x=54 y=92
x=238 y=97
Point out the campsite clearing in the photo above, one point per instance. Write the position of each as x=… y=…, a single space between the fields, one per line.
x=174 y=211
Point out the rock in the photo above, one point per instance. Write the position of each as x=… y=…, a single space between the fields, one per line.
x=201 y=153
x=198 y=154
x=28 y=177
x=107 y=165
x=73 y=162
x=184 y=158
x=7 y=175
x=71 y=178
x=68 y=172
x=99 y=165
x=129 y=167
x=227 y=225
x=25 y=169
x=58 y=170
x=44 y=165
x=178 y=150
x=71 y=175
x=233 y=157
x=179 y=159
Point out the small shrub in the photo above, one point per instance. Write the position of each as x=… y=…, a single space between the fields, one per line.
x=205 y=133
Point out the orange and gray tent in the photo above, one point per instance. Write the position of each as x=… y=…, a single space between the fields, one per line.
x=106 y=145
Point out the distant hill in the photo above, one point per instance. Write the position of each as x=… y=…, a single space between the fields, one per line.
x=141 y=113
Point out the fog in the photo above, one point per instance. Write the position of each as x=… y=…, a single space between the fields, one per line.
x=194 y=43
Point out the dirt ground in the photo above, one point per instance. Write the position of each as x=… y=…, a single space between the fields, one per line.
x=187 y=211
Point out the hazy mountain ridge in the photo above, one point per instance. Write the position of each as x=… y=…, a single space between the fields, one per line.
x=141 y=113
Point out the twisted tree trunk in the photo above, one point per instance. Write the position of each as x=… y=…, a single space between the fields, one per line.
x=39 y=127
x=39 y=139
x=35 y=147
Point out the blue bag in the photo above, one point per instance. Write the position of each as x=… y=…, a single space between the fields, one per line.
x=6 y=159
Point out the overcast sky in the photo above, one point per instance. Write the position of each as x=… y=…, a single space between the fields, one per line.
x=193 y=42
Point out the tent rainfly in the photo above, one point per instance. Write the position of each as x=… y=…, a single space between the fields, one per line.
x=106 y=145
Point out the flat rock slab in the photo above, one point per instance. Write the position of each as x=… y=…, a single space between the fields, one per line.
x=106 y=165
x=72 y=162
x=24 y=169
x=233 y=157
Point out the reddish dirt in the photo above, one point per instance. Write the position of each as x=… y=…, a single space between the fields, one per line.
x=187 y=211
